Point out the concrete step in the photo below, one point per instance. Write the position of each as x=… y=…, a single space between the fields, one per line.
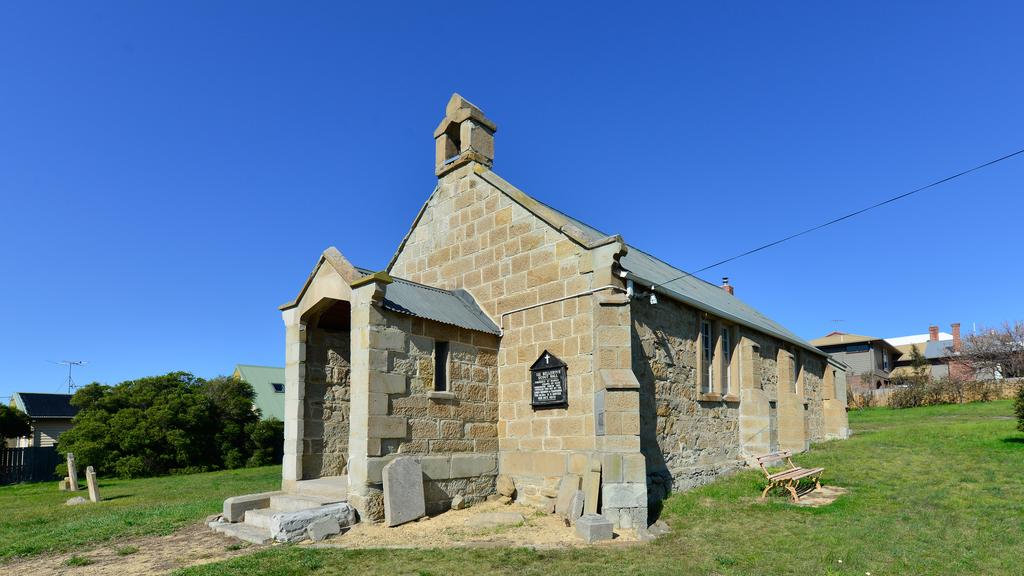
x=333 y=487
x=260 y=518
x=242 y=531
x=295 y=502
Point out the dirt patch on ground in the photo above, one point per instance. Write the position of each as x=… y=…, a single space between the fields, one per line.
x=193 y=545
x=453 y=529
x=197 y=544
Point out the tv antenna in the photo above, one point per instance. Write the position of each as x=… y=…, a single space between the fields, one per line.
x=71 y=364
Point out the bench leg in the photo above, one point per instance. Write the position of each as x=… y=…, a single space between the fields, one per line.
x=766 y=489
x=791 y=486
x=817 y=482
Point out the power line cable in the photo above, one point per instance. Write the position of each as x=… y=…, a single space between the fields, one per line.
x=845 y=217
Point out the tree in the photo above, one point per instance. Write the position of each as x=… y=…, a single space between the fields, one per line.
x=14 y=423
x=176 y=422
x=995 y=352
x=1018 y=408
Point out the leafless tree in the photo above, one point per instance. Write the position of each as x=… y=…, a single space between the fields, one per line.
x=994 y=353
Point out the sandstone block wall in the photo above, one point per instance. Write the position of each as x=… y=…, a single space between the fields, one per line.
x=472 y=236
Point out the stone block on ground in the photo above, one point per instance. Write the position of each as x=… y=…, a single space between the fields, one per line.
x=494 y=519
x=75 y=501
x=323 y=528
x=593 y=528
x=591 y=490
x=460 y=502
x=570 y=484
x=505 y=486
x=236 y=506
x=90 y=480
x=575 y=508
x=291 y=526
x=403 y=491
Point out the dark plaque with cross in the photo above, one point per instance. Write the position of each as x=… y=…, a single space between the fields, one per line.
x=547 y=382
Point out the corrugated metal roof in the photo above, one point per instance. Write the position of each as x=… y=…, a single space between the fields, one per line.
x=455 y=307
x=262 y=379
x=40 y=405
x=647 y=270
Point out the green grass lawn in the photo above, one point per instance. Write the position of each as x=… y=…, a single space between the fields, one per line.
x=35 y=520
x=937 y=490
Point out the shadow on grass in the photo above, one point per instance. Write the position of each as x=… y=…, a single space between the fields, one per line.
x=115 y=497
x=1014 y=440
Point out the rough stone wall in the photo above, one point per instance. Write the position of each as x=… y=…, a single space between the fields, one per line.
x=472 y=236
x=813 y=379
x=686 y=442
x=326 y=426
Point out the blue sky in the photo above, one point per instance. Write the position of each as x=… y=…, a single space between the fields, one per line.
x=170 y=171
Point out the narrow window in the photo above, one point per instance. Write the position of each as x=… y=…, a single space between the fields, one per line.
x=796 y=372
x=726 y=361
x=279 y=388
x=441 y=366
x=885 y=359
x=708 y=351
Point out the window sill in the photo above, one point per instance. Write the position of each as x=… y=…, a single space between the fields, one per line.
x=435 y=395
x=710 y=398
x=731 y=398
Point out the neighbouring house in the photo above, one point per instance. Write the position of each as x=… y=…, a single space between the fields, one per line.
x=871 y=360
x=51 y=416
x=939 y=349
x=506 y=338
x=268 y=384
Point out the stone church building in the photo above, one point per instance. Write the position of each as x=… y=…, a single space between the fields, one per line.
x=507 y=338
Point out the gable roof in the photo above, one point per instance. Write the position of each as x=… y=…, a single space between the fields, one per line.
x=455 y=307
x=262 y=380
x=41 y=405
x=647 y=270
x=839 y=338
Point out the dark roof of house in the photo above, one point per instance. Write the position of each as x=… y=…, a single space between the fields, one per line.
x=40 y=405
x=455 y=307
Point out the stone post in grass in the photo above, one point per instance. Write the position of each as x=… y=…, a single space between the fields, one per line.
x=90 y=479
x=72 y=473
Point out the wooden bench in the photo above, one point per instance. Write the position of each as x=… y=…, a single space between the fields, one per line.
x=789 y=478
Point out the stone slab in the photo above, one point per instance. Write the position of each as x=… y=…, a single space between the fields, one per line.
x=90 y=480
x=575 y=507
x=591 y=491
x=624 y=495
x=291 y=526
x=403 y=491
x=494 y=519
x=72 y=473
x=244 y=532
x=593 y=528
x=236 y=506
x=570 y=484
x=323 y=528
x=75 y=501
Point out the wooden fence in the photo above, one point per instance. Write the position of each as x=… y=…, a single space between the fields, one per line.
x=28 y=464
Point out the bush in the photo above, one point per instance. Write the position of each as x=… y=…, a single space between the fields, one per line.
x=911 y=392
x=13 y=423
x=175 y=423
x=1018 y=407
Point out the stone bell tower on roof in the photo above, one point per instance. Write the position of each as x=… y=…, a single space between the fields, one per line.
x=465 y=135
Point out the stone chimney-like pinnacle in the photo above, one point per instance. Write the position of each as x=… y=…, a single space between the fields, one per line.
x=465 y=135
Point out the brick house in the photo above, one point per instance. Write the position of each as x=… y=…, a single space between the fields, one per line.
x=665 y=385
